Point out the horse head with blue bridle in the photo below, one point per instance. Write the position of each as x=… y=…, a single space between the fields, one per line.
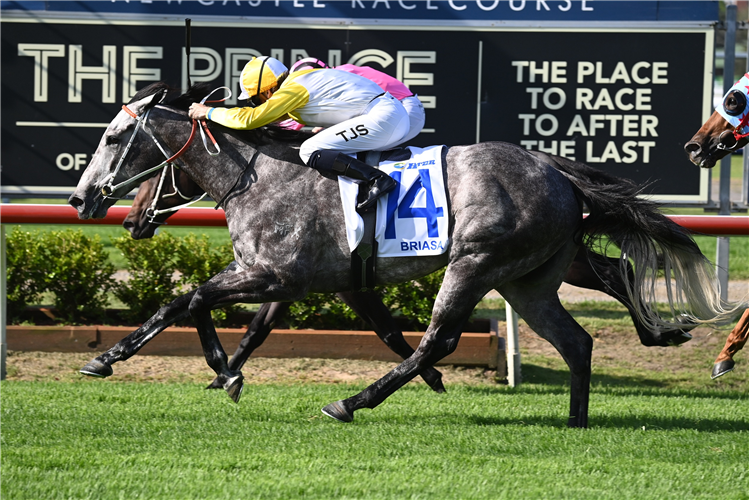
x=515 y=225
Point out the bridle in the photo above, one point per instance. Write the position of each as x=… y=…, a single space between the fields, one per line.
x=110 y=188
x=737 y=136
x=152 y=212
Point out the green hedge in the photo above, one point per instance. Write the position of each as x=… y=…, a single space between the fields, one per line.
x=75 y=270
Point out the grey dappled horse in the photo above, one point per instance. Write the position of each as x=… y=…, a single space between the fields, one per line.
x=161 y=196
x=516 y=225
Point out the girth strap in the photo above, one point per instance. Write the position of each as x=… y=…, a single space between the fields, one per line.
x=364 y=256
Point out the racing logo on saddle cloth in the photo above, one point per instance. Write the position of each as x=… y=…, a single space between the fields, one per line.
x=412 y=219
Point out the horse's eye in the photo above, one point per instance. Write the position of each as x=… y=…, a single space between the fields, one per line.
x=734 y=103
x=111 y=140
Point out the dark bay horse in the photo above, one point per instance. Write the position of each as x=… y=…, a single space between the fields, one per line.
x=515 y=226
x=712 y=142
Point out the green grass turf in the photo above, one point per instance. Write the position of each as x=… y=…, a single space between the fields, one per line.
x=107 y=440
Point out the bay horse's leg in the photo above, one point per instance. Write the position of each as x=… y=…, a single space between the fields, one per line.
x=596 y=272
x=455 y=301
x=177 y=310
x=734 y=343
x=368 y=305
x=261 y=326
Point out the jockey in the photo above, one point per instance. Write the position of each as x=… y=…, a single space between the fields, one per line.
x=395 y=87
x=357 y=114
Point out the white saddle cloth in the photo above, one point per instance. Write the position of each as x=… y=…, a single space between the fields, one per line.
x=412 y=219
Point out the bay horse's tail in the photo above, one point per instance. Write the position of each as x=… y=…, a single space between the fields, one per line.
x=655 y=244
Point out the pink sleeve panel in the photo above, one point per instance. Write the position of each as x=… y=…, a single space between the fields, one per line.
x=385 y=81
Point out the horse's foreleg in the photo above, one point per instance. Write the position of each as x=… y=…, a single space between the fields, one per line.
x=257 y=332
x=597 y=272
x=734 y=343
x=101 y=366
x=250 y=285
x=369 y=306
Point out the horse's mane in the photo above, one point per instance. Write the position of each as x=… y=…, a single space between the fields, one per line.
x=182 y=101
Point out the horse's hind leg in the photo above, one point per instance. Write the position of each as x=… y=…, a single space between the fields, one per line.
x=734 y=343
x=596 y=272
x=369 y=306
x=545 y=315
x=455 y=302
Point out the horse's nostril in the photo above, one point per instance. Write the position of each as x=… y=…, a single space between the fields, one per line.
x=128 y=224
x=75 y=202
x=692 y=147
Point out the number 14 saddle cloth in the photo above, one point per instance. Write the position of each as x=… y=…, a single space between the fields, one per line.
x=412 y=219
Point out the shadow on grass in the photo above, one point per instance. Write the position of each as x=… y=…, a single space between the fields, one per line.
x=634 y=422
x=624 y=385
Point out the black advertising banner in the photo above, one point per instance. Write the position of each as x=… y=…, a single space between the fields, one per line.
x=619 y=101
x=615 y=99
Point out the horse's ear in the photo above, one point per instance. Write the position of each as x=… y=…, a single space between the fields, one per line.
x=157 y=98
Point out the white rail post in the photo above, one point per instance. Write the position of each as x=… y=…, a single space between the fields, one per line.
x=513 y=350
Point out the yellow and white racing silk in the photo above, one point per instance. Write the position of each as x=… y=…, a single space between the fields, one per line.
x=316 y=97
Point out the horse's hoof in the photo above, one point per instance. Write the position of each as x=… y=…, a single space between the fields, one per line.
x=433 y=378
x=438 y=387
x=215 y=384
x=338 y=411
x=234 y=387
x=721 y=368
x=678 y=338
x=96 y=368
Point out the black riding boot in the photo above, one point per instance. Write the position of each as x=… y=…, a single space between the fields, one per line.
x=378 y=182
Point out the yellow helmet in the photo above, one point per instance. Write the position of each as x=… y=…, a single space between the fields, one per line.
x=260 y=74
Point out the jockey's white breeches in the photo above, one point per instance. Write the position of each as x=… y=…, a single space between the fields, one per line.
x=416 y=116
x=383 y=125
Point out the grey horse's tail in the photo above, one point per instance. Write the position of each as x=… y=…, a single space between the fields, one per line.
x=655 y=244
